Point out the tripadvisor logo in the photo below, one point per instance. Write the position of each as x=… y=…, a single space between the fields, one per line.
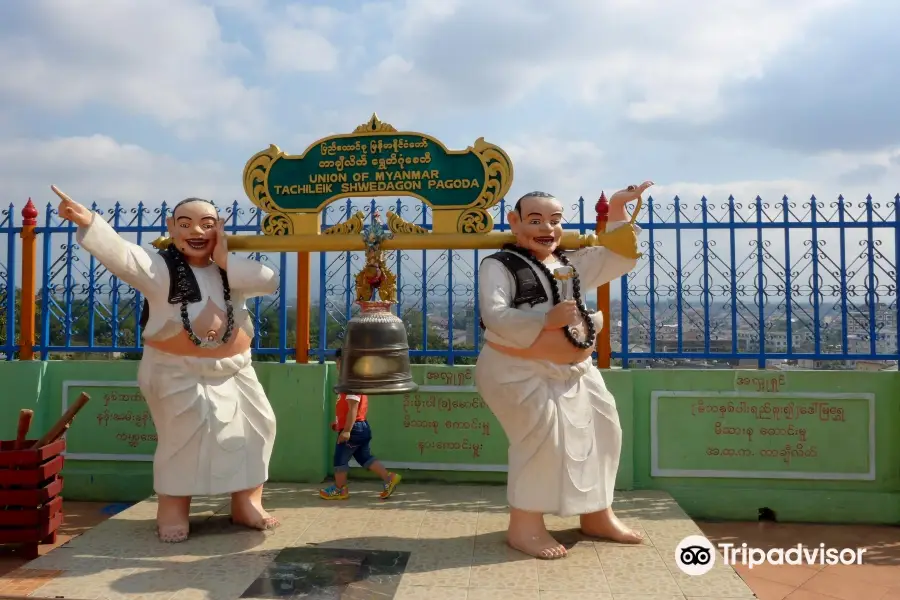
x=696 y=555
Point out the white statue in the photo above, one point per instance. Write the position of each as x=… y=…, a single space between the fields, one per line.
x=536 y=374
x=214 y=424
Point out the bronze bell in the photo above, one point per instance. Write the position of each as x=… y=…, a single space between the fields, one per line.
x=375 y=356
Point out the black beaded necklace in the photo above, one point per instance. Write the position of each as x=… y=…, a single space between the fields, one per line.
x=554 y=287
x=183 y=283
x=184 y=289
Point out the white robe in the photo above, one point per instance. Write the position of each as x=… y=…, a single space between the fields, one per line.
x=214 y=424
x=561 y=421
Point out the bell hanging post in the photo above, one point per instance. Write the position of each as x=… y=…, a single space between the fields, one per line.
x=375 y=356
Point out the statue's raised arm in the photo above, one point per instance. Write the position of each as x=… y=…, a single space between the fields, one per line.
x=599 y=265
x=129 y=262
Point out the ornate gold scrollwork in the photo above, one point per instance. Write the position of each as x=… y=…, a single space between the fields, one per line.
x=351 y=226
x=398 y=224
x=375 y=277
x=162 y=242
x=498 y=179
x=387 y=290
x=275 y=222
x=375 y=125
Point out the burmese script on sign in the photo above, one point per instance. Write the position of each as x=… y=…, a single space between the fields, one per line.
x=119 y=424
x=771 y=410
x=769 y=384
x=449 y=376
x=772 y=423
x=408 y=164
x=442 y=427
x=795 y=434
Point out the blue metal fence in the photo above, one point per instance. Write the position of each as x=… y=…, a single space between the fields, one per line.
x=803 y=281
x=718 y=282
x=9 y=243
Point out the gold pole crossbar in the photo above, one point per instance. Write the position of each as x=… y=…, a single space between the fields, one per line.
x=400 y=241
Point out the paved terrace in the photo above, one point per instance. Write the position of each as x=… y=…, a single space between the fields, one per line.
x=432 y=542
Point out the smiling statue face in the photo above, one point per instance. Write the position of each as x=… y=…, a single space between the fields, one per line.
x=193 y=228
x=538 y=224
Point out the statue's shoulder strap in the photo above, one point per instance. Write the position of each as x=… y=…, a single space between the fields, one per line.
x=170 y=266
x=182 y=283
x=529 y=289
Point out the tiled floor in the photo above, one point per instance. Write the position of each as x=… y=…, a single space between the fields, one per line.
x=878 y=578
x=449 y=545
x=453 y=534
x=79 y=517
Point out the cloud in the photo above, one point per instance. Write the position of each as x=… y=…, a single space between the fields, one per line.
x=166 y=60
x=651 y=60
x=451 y=67
x=296 y=40
x=291 y=49
x=831 y=89
x=100 y=169
x=547 y=163
x=305 y=38
x=863 y=174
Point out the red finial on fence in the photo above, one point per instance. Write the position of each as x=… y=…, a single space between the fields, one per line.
x=602 y=208
x=29 y=214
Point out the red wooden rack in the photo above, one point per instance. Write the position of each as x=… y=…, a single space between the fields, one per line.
x=30 y=488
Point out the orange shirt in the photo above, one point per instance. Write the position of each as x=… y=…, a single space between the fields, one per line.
x=343 y=408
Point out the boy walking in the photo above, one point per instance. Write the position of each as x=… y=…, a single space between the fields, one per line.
x=353 y=441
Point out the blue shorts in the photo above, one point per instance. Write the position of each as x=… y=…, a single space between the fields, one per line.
x=357 y=447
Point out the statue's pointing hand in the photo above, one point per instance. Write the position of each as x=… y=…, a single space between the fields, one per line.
x=71 y=210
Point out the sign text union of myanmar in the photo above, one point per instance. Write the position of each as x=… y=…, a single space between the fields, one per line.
x=385 y=181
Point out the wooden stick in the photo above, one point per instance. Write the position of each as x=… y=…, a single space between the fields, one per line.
x=59 y=429
x=25 y=417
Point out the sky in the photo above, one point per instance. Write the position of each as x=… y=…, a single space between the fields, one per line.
x=129 y=100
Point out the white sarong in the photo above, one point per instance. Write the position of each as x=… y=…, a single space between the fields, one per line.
x=563 y=428
x=215 y=426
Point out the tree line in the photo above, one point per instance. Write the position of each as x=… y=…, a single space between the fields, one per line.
x=268 y=327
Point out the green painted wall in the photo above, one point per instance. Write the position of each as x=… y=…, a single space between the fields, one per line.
x=444 y=432
x=875 y=501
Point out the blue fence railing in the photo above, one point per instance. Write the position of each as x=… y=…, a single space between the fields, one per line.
x=9 y=244
x=724 y=281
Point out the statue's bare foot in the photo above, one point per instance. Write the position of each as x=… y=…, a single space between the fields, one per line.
x=247 y=510
x=539 y=544
x=173 y=519
x=604 y=524
x=172 y=534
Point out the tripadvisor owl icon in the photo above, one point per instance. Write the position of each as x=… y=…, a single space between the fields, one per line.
x=695 y=555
